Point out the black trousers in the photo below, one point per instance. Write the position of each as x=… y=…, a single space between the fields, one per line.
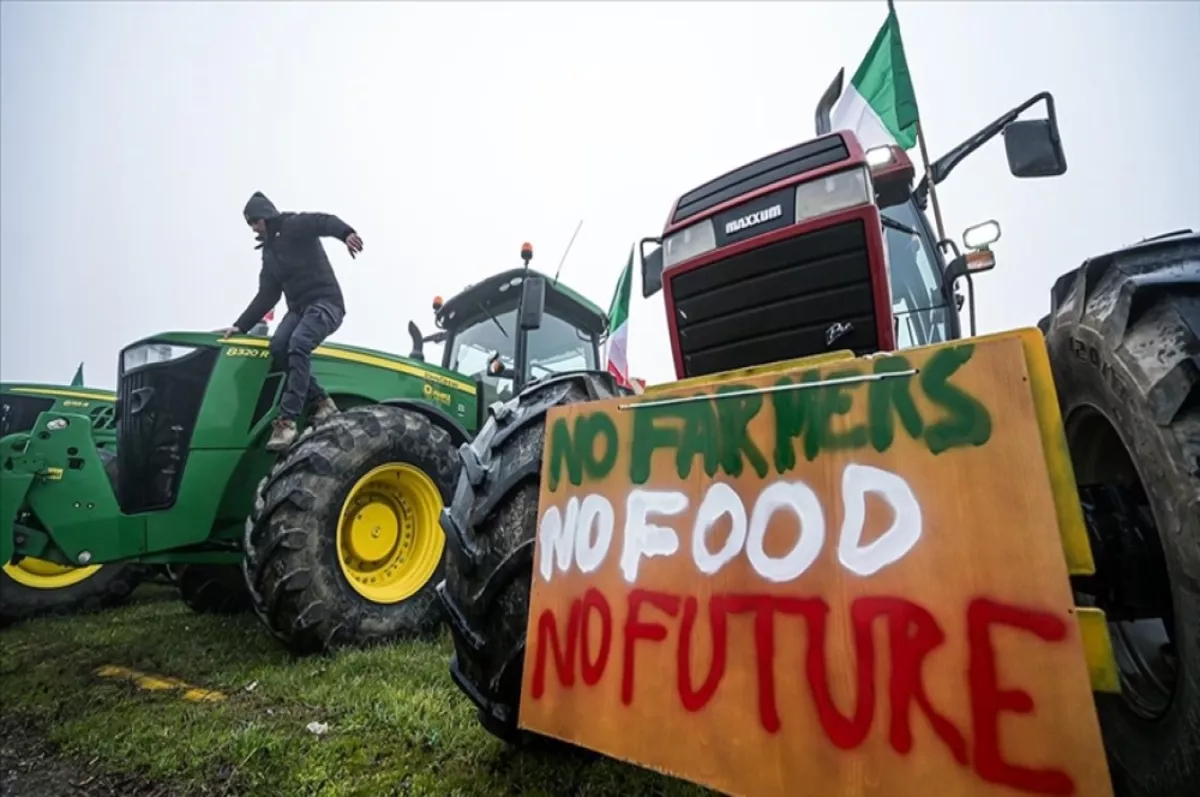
x=298 y=334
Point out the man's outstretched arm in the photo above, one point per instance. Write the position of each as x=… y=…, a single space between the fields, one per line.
x=269 y=292
x=326 y=225
x=321 y=225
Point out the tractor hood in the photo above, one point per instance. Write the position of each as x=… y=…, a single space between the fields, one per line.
x=162 y=344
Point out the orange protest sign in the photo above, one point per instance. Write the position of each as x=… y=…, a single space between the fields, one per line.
x=846 y=579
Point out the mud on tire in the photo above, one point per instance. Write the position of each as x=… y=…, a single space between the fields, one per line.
x=292 y=566
x=109 y=586
x=1124 y=343
x=211 y=588
x=490 y=529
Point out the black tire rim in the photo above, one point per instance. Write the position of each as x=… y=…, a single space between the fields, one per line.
x=1144 y=649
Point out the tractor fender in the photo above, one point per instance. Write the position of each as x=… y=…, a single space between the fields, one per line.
x=458 y=433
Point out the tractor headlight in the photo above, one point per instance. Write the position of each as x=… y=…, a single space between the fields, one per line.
x=148 y=353
x=688 y=243
x=830 y=194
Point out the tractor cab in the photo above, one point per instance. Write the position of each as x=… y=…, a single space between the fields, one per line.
x=825 y=246
x=514 y=328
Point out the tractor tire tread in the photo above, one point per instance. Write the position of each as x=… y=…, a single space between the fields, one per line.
x=291 y=567
x=490 y=528
x=1123 y=337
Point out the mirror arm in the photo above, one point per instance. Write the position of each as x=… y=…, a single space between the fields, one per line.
x=971 y=285
x=942 y=167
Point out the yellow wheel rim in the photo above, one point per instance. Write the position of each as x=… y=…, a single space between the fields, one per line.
x=41 y=574
x=389 y=540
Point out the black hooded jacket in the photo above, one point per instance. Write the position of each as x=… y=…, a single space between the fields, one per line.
x=294 y=263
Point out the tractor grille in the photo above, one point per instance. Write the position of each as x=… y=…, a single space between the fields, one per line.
x=19 y=413
x=763 y=172
x=158 y=405
x=777 y=302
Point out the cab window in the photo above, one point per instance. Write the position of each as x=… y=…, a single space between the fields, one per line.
x=920 y=313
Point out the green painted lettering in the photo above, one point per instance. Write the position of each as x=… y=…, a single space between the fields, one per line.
x=890 y=397
x=563 y=451
x=794 y=414
x=967 y=422
x=700 y=436
x=652 y=430
x=579 y=450
x=836 y=400
x=735 y=413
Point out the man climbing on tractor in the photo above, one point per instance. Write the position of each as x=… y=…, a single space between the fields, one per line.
x=294 y=265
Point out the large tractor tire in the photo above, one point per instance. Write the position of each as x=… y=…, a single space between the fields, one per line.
x=211 y=588
x=1124 y=342
x=344 y=548
x=35 y=587
x=490 y=530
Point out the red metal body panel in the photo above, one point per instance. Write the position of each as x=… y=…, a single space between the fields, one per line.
x=881 y=286
x=857 y=156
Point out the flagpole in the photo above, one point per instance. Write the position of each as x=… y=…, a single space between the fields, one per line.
x=937 y=209
x=933 y=200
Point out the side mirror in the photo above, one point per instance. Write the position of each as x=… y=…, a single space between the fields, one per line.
x=418 y=342
x=981 y=236
x=1034 y=148
x=652 y=267
x=533 y=303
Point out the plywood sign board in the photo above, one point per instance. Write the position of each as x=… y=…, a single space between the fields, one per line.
x=848 y=588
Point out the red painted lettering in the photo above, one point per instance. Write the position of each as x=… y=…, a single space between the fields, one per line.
x=845 y=732
x=988 y=699
x=764 y=653
x=695 y=699
x=593 y=668
x=564 y=653
x=913 y=633
x=635 y=629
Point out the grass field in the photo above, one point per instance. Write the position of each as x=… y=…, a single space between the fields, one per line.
x=395 y=722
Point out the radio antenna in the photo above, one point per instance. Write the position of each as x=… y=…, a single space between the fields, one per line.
x=568 y=250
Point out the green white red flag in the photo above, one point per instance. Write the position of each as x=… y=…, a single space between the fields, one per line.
x=618 y=326
x=880 y=105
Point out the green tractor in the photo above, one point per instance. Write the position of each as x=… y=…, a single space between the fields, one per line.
x=31 y=585
x=344 y=546
x=333 y=543
x=192 y=413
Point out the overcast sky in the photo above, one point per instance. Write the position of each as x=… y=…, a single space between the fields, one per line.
x=132 y=134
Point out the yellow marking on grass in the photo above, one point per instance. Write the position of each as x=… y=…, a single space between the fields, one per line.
x=158 y=683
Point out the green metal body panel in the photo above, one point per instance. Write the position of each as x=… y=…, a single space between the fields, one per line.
x=96 y=403
x=54 y=475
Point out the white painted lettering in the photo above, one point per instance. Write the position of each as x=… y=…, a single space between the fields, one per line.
x=893 y=544
x=801 y=501
x=596 y=512
x=719 y=500
x=644 y=539
x=555 y=540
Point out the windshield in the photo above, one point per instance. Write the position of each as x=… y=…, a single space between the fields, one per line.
x=475 y=344
x=918 y=306
x=555 y=347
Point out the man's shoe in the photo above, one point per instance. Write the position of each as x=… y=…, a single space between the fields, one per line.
x=322 y=409
x=283 y=434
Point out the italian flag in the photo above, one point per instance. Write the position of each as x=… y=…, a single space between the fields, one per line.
x=880 y=105
x=618 y=325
